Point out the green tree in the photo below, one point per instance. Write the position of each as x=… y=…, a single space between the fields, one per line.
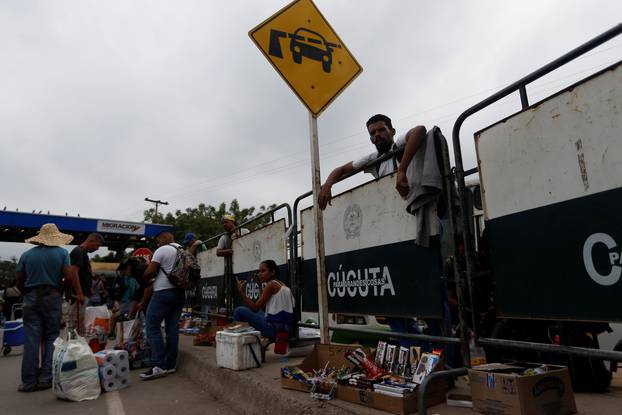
x=111 y=257
x=7 y=271
x=206 y=220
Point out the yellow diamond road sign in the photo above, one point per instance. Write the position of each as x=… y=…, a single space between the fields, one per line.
x=307 y=53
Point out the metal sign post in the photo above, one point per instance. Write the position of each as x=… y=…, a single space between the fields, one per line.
x=319 y=231
x=305 y=50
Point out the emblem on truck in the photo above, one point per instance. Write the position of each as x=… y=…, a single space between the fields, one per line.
x=257 y=251
x=352 y=221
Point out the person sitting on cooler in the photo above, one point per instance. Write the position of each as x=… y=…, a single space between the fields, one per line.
x=276 y=298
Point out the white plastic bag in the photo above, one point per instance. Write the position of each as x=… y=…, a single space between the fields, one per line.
x=130 y=330
x=74 y=369
x=96 y=320
x=124 y=331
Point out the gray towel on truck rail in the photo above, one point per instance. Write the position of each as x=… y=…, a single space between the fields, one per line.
x=426 y=183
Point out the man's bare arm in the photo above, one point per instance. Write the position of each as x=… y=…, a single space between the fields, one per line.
x=73 y=278
x=151 y=271
x=224 y=252
x=414 y=138
x=333 y=177
x=20 y=280
x=143 y=301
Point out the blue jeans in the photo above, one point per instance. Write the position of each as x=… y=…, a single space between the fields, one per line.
x=437 y=327
x=257 y=319
x=164 y=305
x=407 y=325
x=42 y=315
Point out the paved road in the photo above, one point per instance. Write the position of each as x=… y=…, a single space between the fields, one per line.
x=171 y=395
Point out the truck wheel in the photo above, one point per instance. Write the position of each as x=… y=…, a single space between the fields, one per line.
x=613 y=366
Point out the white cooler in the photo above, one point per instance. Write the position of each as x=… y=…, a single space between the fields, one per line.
x=233 y=350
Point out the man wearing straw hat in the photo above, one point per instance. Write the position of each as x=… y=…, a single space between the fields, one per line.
x=40 y=271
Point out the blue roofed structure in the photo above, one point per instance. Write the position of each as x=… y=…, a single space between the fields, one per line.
x=118 y=235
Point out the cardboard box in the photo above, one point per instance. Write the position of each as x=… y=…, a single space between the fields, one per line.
x=321 y=353
x=496 y=390
x=407 y=405
x=335 y=355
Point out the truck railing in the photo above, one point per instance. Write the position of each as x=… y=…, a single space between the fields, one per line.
x=228 y=271
x=519 y=86
x=229 y=289
x=449 y=195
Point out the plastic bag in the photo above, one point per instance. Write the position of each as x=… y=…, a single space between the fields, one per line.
x=96 y=319
x=74 y=369
x=128 y=331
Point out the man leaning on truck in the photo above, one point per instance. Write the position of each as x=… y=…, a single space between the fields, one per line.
x=407 y=184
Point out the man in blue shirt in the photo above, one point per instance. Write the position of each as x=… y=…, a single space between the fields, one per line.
x=40 y=271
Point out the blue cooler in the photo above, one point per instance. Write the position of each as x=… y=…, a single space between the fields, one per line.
x=13 y=333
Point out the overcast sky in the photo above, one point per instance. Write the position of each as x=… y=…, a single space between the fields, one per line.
x=107 y=102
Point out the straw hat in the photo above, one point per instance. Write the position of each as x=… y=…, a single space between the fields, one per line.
x=228 y=217
x=49 y=235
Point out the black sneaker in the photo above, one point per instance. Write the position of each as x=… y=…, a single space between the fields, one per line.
x=26 y=388
x=154 y=372
x=172 y=370
x=43 y=386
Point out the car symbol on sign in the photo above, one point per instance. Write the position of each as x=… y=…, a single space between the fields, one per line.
x=306 y=42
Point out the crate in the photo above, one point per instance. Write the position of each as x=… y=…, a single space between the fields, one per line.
x=233 y=350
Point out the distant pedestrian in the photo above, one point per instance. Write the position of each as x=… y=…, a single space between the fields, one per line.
x=226 y=241
x=12 y=295
x=81 y=269
x=192 y=244
x=127 y=286
x=39 y=276
x=99 y=294
x=165 y=305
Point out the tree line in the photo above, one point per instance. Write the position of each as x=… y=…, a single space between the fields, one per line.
x=7 y=271
x=206 y=220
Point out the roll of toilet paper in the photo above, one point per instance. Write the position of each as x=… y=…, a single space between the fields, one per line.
x=107 y=372
x=123 y=382
x=123 y=369
x=121 y=356
x=104 y=357
x=110 y=385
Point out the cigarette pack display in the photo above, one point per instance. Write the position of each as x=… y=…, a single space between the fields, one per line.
x=415 y=353
x=402 y=362
x=425 y=366
x=380 y=352
x=390 y=358
x=360 y=359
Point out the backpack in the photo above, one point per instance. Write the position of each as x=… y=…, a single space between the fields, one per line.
x=186 y=270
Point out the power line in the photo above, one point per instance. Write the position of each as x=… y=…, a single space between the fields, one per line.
x=156 y=202
x=213 y=182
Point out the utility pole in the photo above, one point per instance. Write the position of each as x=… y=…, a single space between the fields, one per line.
x=156 y=202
